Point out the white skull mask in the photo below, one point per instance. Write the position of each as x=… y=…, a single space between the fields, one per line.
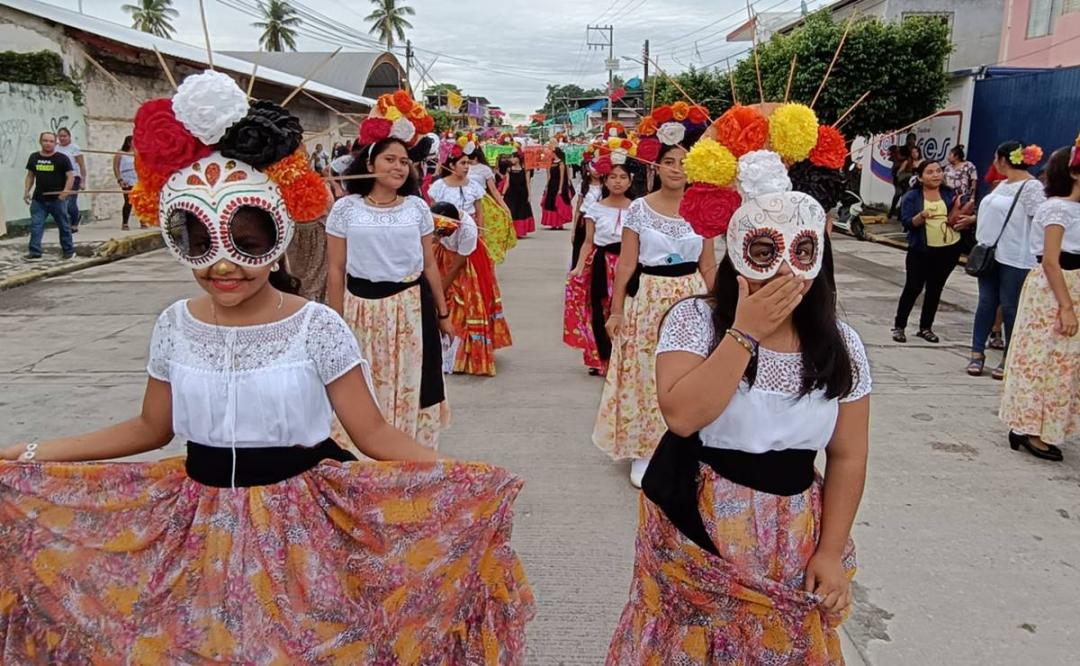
x=774 y=228
x=201 y=221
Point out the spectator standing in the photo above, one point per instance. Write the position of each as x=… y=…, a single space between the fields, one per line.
x=48 y=171
x=319 y=158
x=124 y=170
x=339 y=167
x=78 y=162
x=961 y=175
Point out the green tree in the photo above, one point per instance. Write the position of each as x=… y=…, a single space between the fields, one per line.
x=709 y=87
x=902 y=64
x=440 y=88
x=153 y=16
x=388 y=21
x=279 y=25
x=561 y=99
x=443 y=120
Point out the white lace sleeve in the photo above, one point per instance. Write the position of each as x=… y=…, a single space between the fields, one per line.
x=330 y=344
x=337 y=222
x=1053 y=213
x=1032 y=197
x=632 y=221
x=687 y=327
x=861 y=382
x=162 y=343
x=465 y=238
x=427 y=221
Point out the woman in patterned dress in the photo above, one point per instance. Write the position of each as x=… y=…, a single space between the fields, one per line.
x=498 y=228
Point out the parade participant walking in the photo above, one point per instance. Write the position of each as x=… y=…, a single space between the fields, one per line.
x=68 y=147
x=1041 y=404
x=124 y=170
x=933 y=225
x=383 y=279
x=498 y=227
x=589 y=287
x=48 y=172
x=452 y=185
x=268 y=543
x=1004 y=224
x=517 y=192
x=662 y=261
x=472 y=291
x=558 y=194
x=592 y=192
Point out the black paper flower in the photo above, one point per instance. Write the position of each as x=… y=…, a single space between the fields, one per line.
x=825 y=185
x=268 y=133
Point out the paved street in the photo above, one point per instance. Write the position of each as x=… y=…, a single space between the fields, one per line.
x=968 y=551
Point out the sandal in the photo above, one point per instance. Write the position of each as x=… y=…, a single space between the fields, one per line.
x=898 y=335
x=995 y=341
x=999 y=372
x=928 y=335
x=976 y=365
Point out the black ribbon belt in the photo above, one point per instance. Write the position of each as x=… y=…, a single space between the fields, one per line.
x=598 y=292
x=1070 y=261
x=671 y=481
x=432 y=390
x=261 y=466
x=666 y=270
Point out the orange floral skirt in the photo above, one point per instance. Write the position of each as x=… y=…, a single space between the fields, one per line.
x=348 y=563
x=476 y=311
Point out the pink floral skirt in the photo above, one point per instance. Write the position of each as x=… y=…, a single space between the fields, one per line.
x=578 y=310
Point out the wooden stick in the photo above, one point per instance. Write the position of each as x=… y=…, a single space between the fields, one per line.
x=836 y=56
x=351 y=117
x=731 y=76
x=652 y=99
x=85 y=192
x=206 y=36
x=851 y=108
x=312 y=73
x=112 y=78
x=251 y=81
x=106 y=152
x=678 y=87
x=361 y=176
x=757 y=63
x=790 y=77
x=165 y=68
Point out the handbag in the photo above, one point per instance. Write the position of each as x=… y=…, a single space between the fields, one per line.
x=981 y=261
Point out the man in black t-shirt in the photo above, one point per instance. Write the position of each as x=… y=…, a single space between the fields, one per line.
x=48 y=172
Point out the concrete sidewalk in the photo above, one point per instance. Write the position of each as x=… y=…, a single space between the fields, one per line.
x=968 y=551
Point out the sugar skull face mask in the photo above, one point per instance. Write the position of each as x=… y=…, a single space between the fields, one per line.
x=771 y=229
x=220 y=208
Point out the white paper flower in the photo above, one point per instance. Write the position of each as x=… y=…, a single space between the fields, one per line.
x=207 y=104
x=671 y=133
x=618 y=157
x=612 y=132
x=403 y=129
x=762 y=172
x=470 y=148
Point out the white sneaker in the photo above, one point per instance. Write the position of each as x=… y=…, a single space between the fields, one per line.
x=637 y=471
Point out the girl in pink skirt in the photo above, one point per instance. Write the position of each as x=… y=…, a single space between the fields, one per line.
x=558 y=195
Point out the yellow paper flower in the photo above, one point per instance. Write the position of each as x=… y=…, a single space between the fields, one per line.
x=614 y=142
x=392 y=113
x=709 y=162
x=793 y=131
x=1016 y=157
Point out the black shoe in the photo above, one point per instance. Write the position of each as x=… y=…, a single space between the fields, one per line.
x=898 y=335
x=32 y=257
x=74 y=230
x=594 y=372
x=69 y=257
x=928 y=335
x=1051 y=452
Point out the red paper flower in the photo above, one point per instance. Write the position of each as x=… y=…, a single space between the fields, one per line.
x=602 y=166
x=742 y=129
x=403 y=102
x=648 y=149
x=425 y=125
x=374 y=130
x=708 y=208
x=698 y=115
x=662 y=115
x=307 y=198
x=164 y=145
x=831 y=148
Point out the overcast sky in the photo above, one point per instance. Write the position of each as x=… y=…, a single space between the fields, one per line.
x=506 y=51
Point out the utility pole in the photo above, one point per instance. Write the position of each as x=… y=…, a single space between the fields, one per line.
x=645 y=61
x=601 y=40
x=408 y=62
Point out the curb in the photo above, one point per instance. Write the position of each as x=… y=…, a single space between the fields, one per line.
x=108 y=252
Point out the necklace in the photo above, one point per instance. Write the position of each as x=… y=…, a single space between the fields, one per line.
x=371 y=200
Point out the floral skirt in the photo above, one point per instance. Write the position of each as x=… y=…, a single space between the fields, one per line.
x=745 y=607
x=499 y=234
x=1042 y=373
x=562 y=214
x=307 y=259
x=629 y=423
x=351 y=563
x=390 y=336
x=476 y=311
x=578 y=309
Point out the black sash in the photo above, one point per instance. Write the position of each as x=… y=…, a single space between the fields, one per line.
x=598 y=291
x=667 y=270
x=671 y=481
x=432 y=391
x=262 y=466
x=1070 y=261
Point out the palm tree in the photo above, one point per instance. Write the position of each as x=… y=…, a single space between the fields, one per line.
x=279 y=25
x=388 y=20
x=153 y=16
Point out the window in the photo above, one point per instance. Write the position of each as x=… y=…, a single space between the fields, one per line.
x=1070 y=6
x=1041 y=15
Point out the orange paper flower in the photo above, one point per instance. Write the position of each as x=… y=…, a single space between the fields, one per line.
x=307 y=198
x=417 y=112
x=285 y=172
x=647 y=126
x=831 y=148
x=679 y=110
x=403 y=101
x=698 y=115
x=742 y=129
x=384 y=103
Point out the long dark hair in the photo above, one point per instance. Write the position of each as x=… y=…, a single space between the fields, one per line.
x=630 y=193
x=359 y=167
x=447 y=167
x=825 y=357
x=1059 y=175
x=126 y=147
x=282 y=280
x=1004 y=150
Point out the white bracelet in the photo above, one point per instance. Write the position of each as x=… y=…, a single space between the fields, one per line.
x=29 y=452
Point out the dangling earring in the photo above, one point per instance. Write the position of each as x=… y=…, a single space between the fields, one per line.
x=275 y=268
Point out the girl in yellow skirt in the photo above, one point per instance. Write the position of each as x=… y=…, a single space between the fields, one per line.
x=1041 y=404
x=269 y=543
x=472 y=292
x=498 y=227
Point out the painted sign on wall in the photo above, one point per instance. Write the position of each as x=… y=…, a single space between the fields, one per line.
x=935 y=137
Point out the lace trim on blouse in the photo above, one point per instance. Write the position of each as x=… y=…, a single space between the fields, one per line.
x=641 y=216
x=353 y=211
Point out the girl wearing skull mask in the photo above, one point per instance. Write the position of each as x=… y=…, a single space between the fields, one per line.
x=239 y=552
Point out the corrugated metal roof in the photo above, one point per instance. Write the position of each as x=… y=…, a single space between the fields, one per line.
x=348 y=71
x=146 y=41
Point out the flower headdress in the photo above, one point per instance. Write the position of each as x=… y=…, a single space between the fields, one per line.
x=1026 y=156
x=468 y=142
x=613 y=128
x=210 y=117
x=396 y=116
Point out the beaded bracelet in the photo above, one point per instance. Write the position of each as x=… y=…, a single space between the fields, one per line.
x=741 y=339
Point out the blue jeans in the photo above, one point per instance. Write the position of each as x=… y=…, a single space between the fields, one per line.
x=39 y=210
x=73 y=204
x=1000 y=288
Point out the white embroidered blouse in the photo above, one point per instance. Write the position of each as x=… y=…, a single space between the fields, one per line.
x=662 y=240
x=770 y=416
x=1057 y=212
x=480 y=174
x=384 y=244
x=464 y=196
x=253 y=386
x=463 y=240
x=607 y=222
